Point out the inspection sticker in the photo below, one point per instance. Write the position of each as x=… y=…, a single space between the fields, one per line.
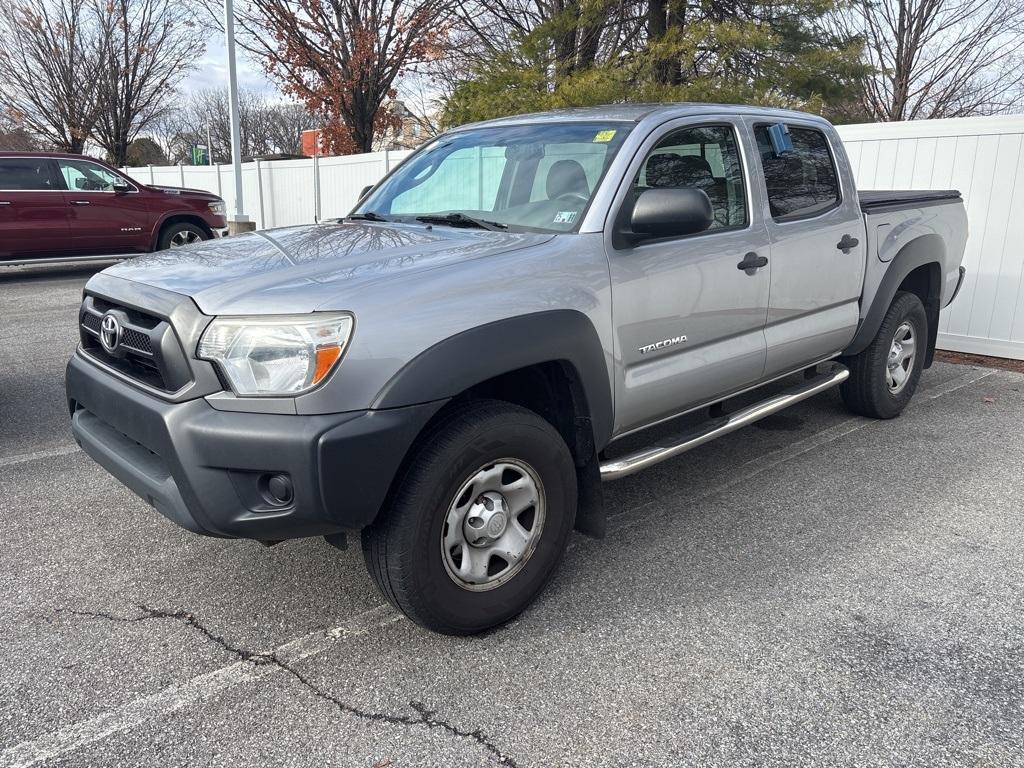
x=604 y=137
x=565 y=217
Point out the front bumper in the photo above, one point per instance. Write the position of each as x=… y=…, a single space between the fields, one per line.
x=207 y=470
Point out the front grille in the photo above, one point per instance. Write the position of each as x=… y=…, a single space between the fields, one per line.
x=148 y=351
x=137 y=340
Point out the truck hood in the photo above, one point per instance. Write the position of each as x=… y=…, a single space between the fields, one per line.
x=200 y=194
x=299 y=269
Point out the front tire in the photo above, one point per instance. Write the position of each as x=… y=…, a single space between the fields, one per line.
x=884 y=376
x=180 y=234
x=477 y=521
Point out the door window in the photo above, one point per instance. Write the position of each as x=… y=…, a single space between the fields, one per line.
x=704 y=157
x=26 y=174
x=798 y=171
x=86 y=177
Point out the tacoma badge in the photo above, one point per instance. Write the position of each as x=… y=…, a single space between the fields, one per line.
x=662 y=344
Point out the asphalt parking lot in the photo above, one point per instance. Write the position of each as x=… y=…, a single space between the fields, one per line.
x=815 y=590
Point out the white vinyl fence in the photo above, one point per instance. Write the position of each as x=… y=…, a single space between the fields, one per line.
x=280 y=193
x=983 y=157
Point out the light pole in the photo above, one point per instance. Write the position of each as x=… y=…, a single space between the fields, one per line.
x=237 y=220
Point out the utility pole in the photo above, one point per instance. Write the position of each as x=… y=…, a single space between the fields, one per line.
x=237 y=220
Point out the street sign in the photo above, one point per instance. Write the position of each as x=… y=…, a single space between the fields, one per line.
x=200 y=154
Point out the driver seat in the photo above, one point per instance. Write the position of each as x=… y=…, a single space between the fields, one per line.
x=566 y=177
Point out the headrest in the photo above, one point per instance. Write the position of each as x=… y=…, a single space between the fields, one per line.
x=567 y=176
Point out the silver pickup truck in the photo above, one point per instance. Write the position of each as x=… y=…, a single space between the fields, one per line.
x=447 y=369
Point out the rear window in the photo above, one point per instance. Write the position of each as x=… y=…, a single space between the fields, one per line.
x=27 y=174
x=798 y=171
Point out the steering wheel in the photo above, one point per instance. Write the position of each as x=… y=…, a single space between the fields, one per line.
x=576 y=197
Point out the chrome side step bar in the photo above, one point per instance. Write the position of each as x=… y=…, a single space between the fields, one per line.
x=634 y=462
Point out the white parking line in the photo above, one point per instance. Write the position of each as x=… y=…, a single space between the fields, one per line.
x=199 y=688
x=205 y=686
x=37 y=455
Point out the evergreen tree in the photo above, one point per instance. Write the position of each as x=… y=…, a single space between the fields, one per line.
x=595 y=52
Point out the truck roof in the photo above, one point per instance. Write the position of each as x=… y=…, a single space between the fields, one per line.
x=636 y=112
x=54 y=155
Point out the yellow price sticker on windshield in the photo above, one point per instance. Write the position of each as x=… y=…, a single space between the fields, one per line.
x=603 y=137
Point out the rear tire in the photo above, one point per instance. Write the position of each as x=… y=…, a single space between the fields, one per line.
x=884 y=376
x=477 y=521
x=180 y=234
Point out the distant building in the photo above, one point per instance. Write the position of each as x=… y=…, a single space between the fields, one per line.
x=412 y=131
x=311 y=143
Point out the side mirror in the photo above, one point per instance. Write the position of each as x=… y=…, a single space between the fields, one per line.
x=670 y=213
x=365 y=191
x=120 y=185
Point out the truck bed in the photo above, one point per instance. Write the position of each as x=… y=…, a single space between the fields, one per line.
x=882 y=199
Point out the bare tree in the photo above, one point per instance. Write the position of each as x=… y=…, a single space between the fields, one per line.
x=267 y=126
x=49 y=66
x=13 y=135
x=150 y=45
x=939 y=58
x=285 y=124
x=342 y=58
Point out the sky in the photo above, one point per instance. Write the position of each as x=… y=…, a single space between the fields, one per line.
x=212 y=71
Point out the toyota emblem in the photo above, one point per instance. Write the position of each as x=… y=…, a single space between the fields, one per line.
x=110 y=332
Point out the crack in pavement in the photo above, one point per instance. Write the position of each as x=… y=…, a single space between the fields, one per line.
x=424 y=717
x=183 y=616
x=151 y=706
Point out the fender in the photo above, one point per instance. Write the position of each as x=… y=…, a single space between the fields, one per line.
x=473 y=356
x=918 y=252
x=186 y=213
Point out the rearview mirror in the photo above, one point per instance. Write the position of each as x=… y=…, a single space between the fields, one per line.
x=365 y=192
x=120 y=185
x=670 y=213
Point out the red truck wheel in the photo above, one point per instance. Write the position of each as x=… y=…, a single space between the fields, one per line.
x=180 y=234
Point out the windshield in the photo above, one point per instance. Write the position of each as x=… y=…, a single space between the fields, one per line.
x=532 y=178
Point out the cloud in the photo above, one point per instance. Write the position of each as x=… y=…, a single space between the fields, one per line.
x=212 y=71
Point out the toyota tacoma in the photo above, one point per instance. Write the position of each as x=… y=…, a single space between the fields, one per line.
x=446 y=370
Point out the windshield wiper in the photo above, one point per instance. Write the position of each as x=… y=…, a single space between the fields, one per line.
x=457 y=219
x=368 y=216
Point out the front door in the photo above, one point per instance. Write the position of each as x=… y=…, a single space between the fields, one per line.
x=817 y=252
x=33 y=217
x=102 y=218
x=689 y=322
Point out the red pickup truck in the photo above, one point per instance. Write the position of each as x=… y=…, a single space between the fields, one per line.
x=56 y=206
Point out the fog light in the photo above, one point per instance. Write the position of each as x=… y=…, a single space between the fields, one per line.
x=277 y=490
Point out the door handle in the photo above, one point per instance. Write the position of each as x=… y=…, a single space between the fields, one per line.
x=847 y=244
x=752 y=262
x=5 y=202
x=80 y=202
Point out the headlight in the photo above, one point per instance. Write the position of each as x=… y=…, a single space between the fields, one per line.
x=218 y=208
x=276 y=355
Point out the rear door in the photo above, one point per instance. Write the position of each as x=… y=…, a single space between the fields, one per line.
x=102 y=219
x=33 y=216
x=689 y=322
x=817 y=251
